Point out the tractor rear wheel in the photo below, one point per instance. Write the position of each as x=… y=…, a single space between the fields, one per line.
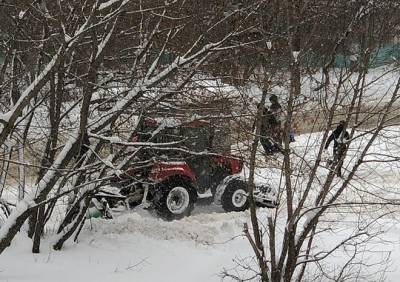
x=174 y=199
x=235 y=196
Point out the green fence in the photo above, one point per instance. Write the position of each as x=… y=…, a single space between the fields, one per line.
x=381 y=56
x=385 y=55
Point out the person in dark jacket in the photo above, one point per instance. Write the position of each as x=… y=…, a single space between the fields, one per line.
x=339 y=136
x=270 y=131
x=275 y=122
x=265 y=140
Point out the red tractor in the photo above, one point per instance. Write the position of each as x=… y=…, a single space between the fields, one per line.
x=170 y=178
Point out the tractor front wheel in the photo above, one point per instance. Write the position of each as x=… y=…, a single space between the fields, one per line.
x=235 y=196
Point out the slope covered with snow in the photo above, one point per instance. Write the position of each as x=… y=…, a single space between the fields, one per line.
x=138 y=246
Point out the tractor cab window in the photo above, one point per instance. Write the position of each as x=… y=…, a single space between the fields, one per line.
x=198 y=139
x=168 y=135
x=165 y=135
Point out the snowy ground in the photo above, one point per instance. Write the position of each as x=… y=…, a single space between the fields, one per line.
x=137 y=246
x=140 y=247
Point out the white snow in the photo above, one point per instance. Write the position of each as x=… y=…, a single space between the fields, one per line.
x=296 y=56
x=21 y=15
x=6 y=116
x=109 y=3
x=135 y=247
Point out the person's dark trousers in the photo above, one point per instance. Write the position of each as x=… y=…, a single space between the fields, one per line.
x=267 y=145
x=338 y=158
x=277 y=137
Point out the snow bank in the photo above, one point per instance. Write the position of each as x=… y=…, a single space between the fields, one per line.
x=136 y=246
x=202 y=228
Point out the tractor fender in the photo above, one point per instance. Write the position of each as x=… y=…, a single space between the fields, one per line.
x=234 y=165
x=222 y=186
x=164 y=170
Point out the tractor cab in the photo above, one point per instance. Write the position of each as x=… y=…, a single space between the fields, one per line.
x=195 y=136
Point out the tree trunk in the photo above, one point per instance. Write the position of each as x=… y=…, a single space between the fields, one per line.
x=39 y=227
x=78 y=220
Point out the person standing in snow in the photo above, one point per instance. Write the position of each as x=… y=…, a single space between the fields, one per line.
x=340 y=138
x=265 y=141
x=293 y=132
x=275 y=123
x=270 y=131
